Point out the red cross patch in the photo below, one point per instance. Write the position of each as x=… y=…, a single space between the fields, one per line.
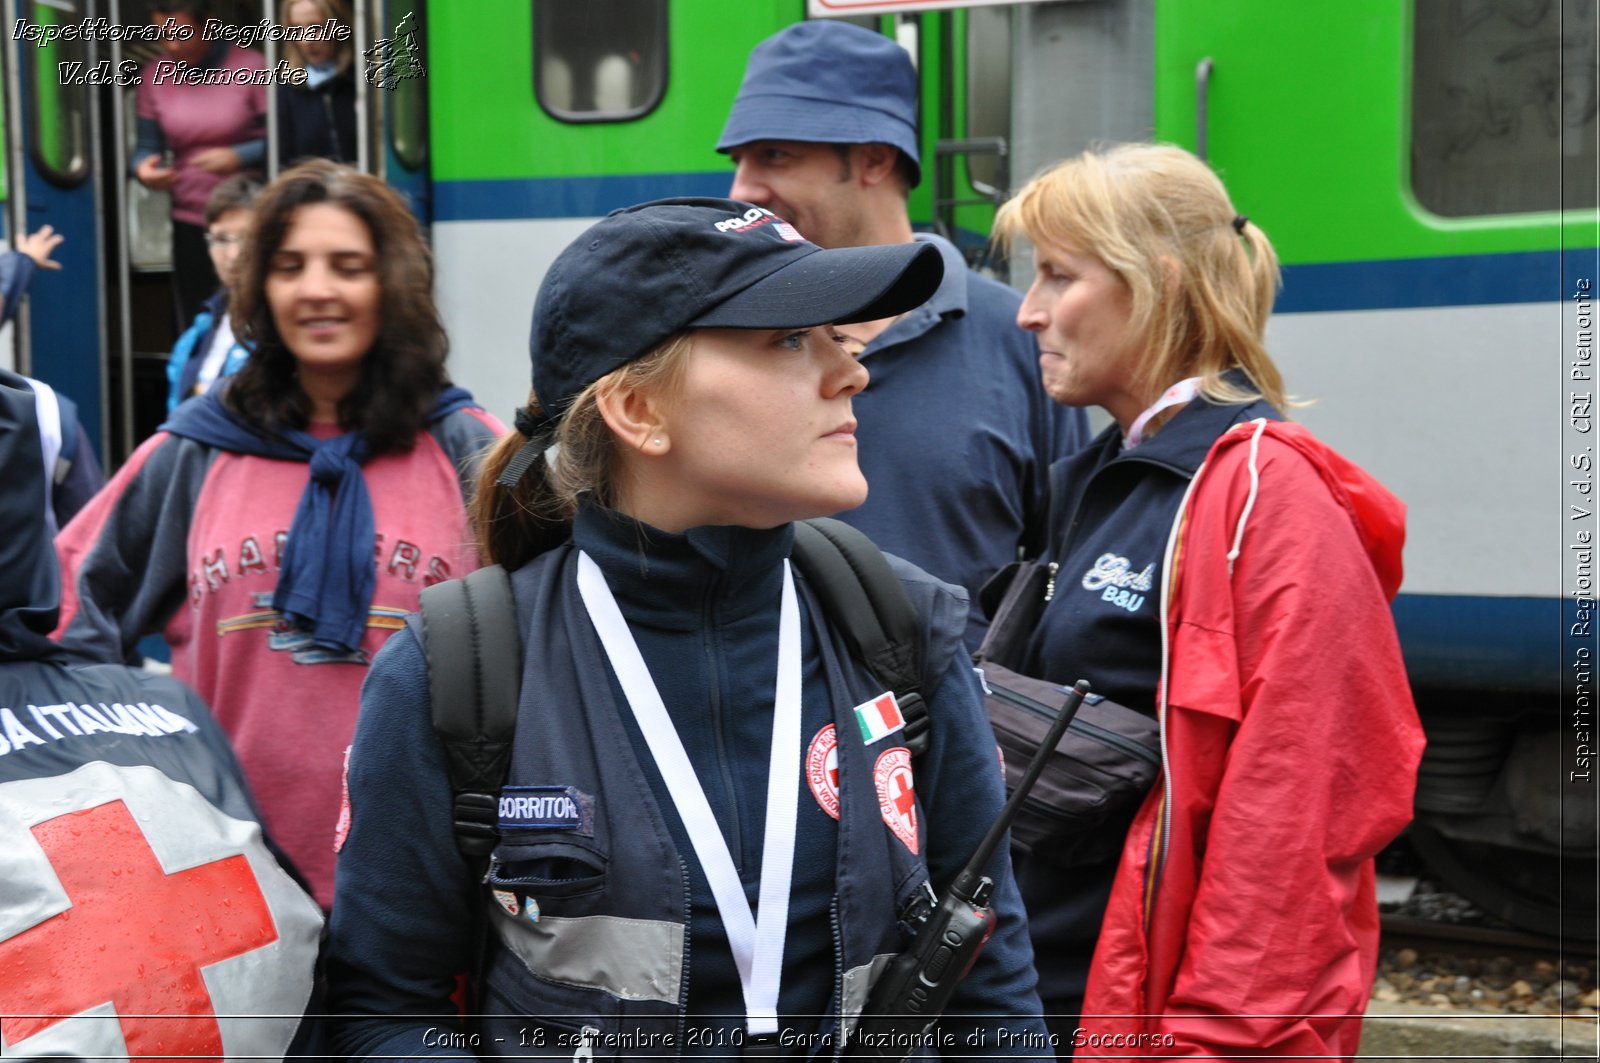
x=139 y=921
x=822 y=770
x=148 y=968
x=897 y=794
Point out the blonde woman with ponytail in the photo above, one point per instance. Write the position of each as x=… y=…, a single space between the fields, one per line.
x=1225 y=572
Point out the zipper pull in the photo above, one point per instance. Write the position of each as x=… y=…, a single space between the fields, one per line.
x=1050 y=585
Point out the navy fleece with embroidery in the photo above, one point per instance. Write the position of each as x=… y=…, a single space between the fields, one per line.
x=1109 y=534
x=700 y=606
x=956 y=435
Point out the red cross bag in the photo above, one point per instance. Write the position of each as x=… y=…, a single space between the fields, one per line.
x=139 y=919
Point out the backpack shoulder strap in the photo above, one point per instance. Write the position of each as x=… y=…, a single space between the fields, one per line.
x=473 y=647
x=67 y=413
x=871 y=610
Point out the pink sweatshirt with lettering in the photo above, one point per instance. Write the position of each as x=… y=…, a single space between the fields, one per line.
x=186 y=541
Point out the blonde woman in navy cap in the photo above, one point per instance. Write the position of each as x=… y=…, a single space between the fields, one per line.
x=707 y=841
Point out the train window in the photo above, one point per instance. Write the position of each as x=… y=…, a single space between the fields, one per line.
x=58 y=114
x=601 y=60
x=1503 y=107
x=409 y=133
x=988 y=91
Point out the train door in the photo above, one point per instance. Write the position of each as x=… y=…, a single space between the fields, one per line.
x=393 y=98
x=52 y=159
x=143 y=323
x=965 y=62
x=972 y=154
x=102 y=327
x=977 y=68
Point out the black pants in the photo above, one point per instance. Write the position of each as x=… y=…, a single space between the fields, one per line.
x=193 y=276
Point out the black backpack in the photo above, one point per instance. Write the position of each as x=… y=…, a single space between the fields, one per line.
x=468 y=630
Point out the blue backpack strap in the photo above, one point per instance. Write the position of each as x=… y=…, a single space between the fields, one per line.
x=182 y=352
x=67 y=411
x=469 y=635
x=869 y=607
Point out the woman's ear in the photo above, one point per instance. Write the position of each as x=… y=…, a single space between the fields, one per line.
x=634 y=417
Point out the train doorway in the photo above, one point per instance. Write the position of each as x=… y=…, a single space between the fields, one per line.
x=101 y=328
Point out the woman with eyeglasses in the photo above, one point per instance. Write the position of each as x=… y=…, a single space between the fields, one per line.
x=210 y=349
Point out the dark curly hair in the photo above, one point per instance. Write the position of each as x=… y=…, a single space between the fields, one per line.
x=403 y=373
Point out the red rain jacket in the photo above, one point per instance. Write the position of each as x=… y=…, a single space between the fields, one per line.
x=1243 y=919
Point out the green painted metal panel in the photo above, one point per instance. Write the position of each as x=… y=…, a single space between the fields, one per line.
x=487 y=123
x=47 y=91
x=1309 y=126
x=973 y=217
x=929 y=70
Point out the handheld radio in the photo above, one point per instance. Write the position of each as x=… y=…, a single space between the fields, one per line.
x=911 y=995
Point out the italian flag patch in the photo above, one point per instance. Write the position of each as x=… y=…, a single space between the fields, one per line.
x=879 y=717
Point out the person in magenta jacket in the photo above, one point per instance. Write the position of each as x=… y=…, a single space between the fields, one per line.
x=191 y=136
x=1225 y=572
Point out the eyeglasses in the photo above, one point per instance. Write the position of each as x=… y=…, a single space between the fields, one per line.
x=223 y=240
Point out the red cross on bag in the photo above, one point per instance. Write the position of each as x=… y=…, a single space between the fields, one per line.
x=135 y=936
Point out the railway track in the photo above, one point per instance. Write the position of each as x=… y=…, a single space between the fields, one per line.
x=1478 y=969
x=1422 y=934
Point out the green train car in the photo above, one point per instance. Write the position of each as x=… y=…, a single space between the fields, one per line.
x=1426 y=169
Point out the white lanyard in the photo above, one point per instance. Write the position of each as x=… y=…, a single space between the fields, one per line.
x=757 y=944
x=1180 y=393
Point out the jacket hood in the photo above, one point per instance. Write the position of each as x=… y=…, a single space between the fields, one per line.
x=30 y=593
x=1378 y=516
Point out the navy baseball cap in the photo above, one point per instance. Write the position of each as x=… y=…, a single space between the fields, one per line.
x=827 y=82
x=643 y=274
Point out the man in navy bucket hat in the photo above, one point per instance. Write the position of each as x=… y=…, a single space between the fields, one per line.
x=956 y=432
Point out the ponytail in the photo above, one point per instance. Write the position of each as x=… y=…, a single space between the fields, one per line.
x=1231 y=314
x=517 y=523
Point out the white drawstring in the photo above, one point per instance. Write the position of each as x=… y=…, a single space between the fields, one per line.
x=1168 y=557
x=1255 y=484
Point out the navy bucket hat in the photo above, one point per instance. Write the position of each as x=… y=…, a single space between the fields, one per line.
x=643 y=274
x=827 y=82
